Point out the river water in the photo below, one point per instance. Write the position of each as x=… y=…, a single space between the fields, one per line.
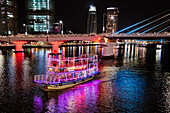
x=136 y=79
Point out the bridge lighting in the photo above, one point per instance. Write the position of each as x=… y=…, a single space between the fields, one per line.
x=147 y=24
x=99 y=39
x=163 y=29
x=156 y=26
x=105 y=40
x=140 y=22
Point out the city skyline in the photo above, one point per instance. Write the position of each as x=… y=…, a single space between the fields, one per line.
x=74 y=13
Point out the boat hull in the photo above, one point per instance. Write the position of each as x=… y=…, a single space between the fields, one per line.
x=55 y=87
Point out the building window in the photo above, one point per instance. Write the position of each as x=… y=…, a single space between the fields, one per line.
x=40 y=22
x=39 y=5
x=10 y=15
x=2 y=8
x=9 y=2
x=2 y=13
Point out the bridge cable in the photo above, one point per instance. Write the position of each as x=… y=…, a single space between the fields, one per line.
x=147 y=24
x=140 y=22
x=155 y=26
x=163 y=29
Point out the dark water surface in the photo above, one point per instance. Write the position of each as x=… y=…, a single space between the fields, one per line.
x=136 y=80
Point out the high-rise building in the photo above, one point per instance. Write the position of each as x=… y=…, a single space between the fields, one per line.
x=112 y=20
x=39 y=16
x=92 y=20
x=8 y=18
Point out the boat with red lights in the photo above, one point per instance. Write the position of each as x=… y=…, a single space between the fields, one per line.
x=67 y=72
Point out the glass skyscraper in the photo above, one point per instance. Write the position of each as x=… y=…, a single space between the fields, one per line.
x=8 y=18
x=39 y=16
x=92 y=20
x=112 y=20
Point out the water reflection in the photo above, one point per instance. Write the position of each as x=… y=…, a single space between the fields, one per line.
x=19 y=70
x=130 y=87
x=76 y=99
x=158 y=54
x=2 y=75
x=72 y=51
x=136 y=80
x=134 y=52
x=38 y=104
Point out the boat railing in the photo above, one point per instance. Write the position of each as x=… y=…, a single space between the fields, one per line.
x=71 y=58
x=53 y=78
x=73 y=61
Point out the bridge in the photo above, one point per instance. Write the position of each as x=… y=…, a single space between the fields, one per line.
x=51 y=38
x=146 y=29
x=57 y=40
x=84 y=37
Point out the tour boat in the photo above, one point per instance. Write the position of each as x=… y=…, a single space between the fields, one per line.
x=67 y=72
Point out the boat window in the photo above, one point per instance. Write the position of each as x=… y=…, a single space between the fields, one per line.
x=63 y=77
x=69 y=76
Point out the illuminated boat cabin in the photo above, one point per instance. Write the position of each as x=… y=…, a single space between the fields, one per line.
x=70 y=69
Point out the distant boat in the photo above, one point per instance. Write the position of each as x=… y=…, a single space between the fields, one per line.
x=67 y=72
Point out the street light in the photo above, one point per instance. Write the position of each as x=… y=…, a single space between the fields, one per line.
x=26 y=28
x=47 y=30
x=8 y=33
x=103 y=22
x=61 y=22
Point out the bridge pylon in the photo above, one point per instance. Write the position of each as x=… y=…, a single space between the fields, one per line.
x=18 y=45
x=55 y=46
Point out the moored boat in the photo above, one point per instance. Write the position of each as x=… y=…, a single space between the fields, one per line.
x=67 y=72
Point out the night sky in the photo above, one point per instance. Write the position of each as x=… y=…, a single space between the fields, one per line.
x=74 y=12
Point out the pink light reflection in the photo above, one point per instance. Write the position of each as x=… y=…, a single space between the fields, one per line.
x=94 y=82
x=38 y=104
x=79 y=97
x=51 y=106
x=76 y=99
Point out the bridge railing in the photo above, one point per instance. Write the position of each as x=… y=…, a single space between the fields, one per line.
x=53 y=35
x=137 y=34
x=86 y=35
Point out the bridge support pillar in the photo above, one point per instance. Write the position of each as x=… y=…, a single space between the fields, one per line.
x=108 y=50
x=18 y=45
x=55 y=47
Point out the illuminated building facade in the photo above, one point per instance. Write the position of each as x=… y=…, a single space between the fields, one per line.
x=8 y=18
x=112 y=20
x=92 y=20
x=39 y=16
